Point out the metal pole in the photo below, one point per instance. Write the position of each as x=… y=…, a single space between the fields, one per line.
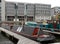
x=16 y=7
x=34 y=12
x=25 y=12
x=5 y=15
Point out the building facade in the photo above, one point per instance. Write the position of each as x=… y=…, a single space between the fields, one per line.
x=12 y=12
x=21 y=11
x=9 y=11
x=43 y=11
x=55 y=10
x=2 y=10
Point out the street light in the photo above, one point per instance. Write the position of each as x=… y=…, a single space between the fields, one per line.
x=25 y=12
x=16 y=8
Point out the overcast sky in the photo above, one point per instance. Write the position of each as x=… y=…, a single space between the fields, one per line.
x=52 y=2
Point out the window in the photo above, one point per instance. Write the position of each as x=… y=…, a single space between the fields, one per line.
x=30 y=18
x=0 y=0
x=21 y=18
x=10 y=18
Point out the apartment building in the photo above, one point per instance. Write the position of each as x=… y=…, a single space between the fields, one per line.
x=21 y=11
x=55 y=10
x=42 y=12
x=12 y=11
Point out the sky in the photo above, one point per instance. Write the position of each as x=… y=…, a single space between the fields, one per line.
x=52 y=2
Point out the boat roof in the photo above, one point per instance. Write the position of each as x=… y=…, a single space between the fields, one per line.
x=29 y=22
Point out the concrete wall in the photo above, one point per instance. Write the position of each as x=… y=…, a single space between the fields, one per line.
x=30 y=9
x=3 y=10
x=21 y=9
x=10 y=9
x=52 y=12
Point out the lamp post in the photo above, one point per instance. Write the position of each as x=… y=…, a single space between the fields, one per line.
x=25 y=12
x=16 y=8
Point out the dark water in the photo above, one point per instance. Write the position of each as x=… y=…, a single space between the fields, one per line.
x=57 y=38
x=5 y=40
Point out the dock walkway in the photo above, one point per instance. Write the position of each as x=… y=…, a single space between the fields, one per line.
x=4 y=40
x=22 y=40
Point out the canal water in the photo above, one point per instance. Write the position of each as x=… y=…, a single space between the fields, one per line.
x=5 y=40
x=57 y=38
